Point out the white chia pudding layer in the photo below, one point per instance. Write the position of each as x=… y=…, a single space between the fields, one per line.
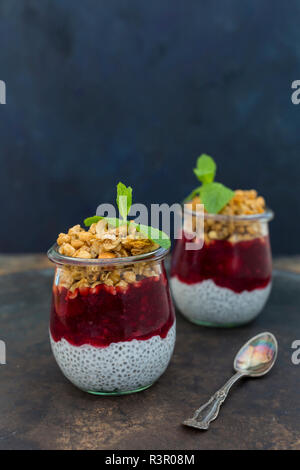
x=205 y=302
x=120 y=367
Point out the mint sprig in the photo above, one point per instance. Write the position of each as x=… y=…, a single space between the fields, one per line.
x=206 y=169
x=124 y=199
x=213 y=195
x=124 y=202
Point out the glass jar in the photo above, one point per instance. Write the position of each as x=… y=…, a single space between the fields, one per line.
x=112 y=324
x=228 y=281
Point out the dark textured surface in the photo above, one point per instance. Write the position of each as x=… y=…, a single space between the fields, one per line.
x=40 y=409
x=102 y=91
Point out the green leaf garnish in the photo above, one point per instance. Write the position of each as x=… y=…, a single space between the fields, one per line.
x=113 y=221
x=215 y=196
x=154 y=234
x=206 y=169
x=124 y=199
x=91 y=220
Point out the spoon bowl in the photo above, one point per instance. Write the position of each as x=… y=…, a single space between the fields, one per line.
x=257 y=356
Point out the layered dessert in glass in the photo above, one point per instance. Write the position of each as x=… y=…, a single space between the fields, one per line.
x=228 y=281
x=112 y=325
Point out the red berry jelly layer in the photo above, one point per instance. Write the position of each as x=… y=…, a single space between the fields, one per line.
x=245 y=265
x=103 y=315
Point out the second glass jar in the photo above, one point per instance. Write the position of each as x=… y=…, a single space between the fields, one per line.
x=228 y=281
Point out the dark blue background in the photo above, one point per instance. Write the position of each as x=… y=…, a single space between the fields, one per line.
x=102 y=91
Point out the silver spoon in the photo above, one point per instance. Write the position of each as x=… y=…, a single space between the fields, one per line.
x=254 y=359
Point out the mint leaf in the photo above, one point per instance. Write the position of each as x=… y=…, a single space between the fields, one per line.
x=215 y=196
x=113 y=221
x=206 y=169
x=124 y=199
x=91 y=220
x=157 y=236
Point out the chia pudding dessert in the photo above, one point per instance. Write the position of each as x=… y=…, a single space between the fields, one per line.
x=228 y=281
x=112 y=324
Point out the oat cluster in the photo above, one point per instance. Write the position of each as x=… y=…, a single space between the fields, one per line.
x=243 y=203
x=104 y=242
x=74 y=277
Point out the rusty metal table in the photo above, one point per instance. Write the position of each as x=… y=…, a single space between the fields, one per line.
x=40 y=409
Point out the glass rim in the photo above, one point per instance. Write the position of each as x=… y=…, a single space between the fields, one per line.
x=58 y=258
x=266 y=216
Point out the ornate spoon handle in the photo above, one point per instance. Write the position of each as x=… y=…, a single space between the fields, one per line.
x=210 y=410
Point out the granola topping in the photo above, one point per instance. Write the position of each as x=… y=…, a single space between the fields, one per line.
x=244 y=202
x=103 y=242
